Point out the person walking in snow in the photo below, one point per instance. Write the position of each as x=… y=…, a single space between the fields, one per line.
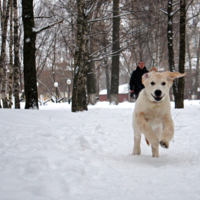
x=136 y=79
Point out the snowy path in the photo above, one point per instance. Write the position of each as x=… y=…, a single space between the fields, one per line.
x=55 y=154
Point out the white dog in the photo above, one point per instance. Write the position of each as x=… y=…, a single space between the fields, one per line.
x=152 y=114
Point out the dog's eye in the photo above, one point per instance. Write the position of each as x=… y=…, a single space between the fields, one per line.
x=163 y=83
x=152 y=83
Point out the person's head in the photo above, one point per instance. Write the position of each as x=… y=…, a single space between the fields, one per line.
x=141 y=65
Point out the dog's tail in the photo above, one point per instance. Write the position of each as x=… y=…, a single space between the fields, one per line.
x=147 y=141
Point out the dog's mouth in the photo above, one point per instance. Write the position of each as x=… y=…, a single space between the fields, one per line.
x=157 y=98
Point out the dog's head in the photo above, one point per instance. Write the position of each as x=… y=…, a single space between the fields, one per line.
x=157 y=84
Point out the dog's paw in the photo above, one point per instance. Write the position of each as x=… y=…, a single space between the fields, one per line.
x=155 y=151
x=136 y=152
x=164 y=144
x=155 y=155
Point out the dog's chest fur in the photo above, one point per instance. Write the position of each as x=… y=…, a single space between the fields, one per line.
x=154 y=116
x=153 y=113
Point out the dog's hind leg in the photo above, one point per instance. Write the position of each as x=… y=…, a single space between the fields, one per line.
x=137 y=140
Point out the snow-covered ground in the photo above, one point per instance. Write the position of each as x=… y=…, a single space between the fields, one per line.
x=54 y=154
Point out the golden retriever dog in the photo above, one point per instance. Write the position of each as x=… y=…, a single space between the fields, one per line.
x=152 y=114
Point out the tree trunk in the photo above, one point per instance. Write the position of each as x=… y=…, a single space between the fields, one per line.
x=52 y=67
x=171 y=46
x=179 y=101
x=107 y=77
x=190 y=88
x=79 y=102
x=91 y=84
x=31 y=94
x=3 y=68
x=91 y=81
x=16 y=57
x=197 y=71
x=115 y=58
x=10 y=87
x=105 y=43
x=98 y=74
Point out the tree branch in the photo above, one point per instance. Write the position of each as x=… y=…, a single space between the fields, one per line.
x=46 y=27
x=101 y=19
x=188 y=5
x=163 y=11
x=176 y=3
x=173 y=13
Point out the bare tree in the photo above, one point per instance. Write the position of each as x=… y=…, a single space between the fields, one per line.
x=30 y=33
x=106 y=64
x=3 y=64
x=91 y=82
x=179 y=101
x=196 y=85
x=189 y=89
x=29 y=55
x=16 y=57
x=79 y=102
x=10 y=85
x=170 y=37
x=115 y=57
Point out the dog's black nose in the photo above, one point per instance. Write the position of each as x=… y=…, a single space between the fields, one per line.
x=158 y=93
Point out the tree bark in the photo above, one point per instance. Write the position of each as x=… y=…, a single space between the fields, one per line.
x=179 y=101
x=105 y=43
x=197 y=70
x=107 y=77
x=171 y=45
x=3 y=65
x=91 y=84
x=115 y=58
x=190 y=90
x=16 y=57
x=30 y=81
x=91 y=81
x=52 y=67
x=79 y=102
x=10 y=86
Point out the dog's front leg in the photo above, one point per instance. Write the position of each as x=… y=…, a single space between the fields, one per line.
x=155 y=150
x=137 y=140
x=147 y=130
x=168 y=132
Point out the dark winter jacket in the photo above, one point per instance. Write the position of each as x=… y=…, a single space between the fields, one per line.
x=136 y=80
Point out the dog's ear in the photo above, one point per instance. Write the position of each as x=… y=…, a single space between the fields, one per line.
x=172 y=75
x=147 y=76
x=153 y=69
